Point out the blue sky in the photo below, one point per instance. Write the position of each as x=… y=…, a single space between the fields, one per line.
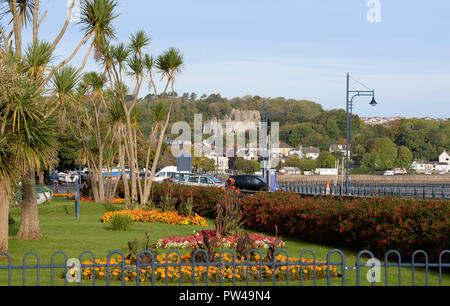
x=295 y=48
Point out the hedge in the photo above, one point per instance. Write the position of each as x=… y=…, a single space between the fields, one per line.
x=375 y=224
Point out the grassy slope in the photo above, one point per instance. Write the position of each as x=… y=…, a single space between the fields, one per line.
x=64 y=232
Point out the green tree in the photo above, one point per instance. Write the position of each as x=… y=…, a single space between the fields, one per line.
x=294 y=161
x=26 y=141
x=404 y=157
x=382 y=156
x=203 y=163
x=326 y=160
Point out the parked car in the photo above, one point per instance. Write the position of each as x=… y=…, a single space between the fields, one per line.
x=165 y=173
x=178 y=178
x=249 y=183
x=388 y=172
x=203 y=180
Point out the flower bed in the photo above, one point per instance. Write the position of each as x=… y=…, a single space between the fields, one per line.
x=63 y=195
x=169 y=217
x=229 y=242
x=375 y=224
x=226 y=272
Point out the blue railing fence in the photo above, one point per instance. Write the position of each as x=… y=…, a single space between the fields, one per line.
x=425 y=191
x=390 y=266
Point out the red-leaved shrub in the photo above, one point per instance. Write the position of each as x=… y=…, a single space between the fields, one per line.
x=375 y=224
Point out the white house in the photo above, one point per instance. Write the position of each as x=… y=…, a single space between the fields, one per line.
x=296 y=151
x=445 y=157
x=311 y=152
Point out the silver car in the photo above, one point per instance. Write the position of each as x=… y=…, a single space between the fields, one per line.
x=203 y=180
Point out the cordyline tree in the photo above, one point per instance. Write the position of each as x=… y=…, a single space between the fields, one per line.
x=26 y=138
x=37 y=64
x=122 y=61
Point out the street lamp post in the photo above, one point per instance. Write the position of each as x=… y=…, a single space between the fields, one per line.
x=349 y=115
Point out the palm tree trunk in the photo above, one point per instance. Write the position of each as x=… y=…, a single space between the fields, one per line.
x=17 y=27
x=158 y=151
x=4 y=210
x=122 y=168
x=29 y=226
x=131 y=155
x=41 y=178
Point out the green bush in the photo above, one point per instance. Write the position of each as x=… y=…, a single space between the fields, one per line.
x=121 y=222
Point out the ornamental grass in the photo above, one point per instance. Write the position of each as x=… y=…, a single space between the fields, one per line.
x=237 y=269
x=169 y=217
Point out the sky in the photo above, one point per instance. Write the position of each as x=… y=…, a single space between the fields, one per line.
x=299 y=49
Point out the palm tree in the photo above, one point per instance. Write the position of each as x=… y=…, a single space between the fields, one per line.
x=139 y=41
x=118 y=121
x=64 y=82
x=28 y=137
x=37 y=57
x=97 y=17
x=21 y=12
x=169 y=63
x=160 y=112
x=149 y=64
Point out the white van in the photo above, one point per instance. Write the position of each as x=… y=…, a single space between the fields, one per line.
x=166 y=172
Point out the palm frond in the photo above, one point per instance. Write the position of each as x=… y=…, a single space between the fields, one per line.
x=139 y=41
x=97 y=17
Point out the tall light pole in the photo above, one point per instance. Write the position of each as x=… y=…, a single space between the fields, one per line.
x=217 y=153
x=267 y=145
x=349 y=112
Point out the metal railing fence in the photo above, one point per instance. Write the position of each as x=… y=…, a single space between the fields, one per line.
x=424 y=191
x=279 y=271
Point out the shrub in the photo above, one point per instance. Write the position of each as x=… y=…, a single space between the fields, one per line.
x=375 y=224
x=120 y=222
x=204 y=198
x=186 y=206
x=228 y=213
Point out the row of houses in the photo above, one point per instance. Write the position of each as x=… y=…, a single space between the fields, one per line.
x=282 y=152
x=441 y=166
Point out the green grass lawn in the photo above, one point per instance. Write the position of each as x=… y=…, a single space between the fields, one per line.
x=64 y=232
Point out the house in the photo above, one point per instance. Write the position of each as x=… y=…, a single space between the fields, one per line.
x=296 y=151
x=422 y=166
x=311 y=152
x=339 y=148
x=428 y=167
x=445 y=157
x=441 y=167
x=221 y=162
x=284 y=149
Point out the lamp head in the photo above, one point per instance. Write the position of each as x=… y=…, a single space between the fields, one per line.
x=373 y=102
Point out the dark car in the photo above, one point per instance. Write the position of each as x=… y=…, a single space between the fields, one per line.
x=248 y=183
